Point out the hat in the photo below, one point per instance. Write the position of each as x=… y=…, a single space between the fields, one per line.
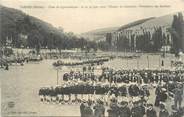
x=174 y=109
x=125 y=99
x=162 y=105
x=99 y=101
x=180 y=85
x=89 y=103
x=113 y=100
x=135 y=102
x=140 y=101
x=149 y=104
x=163 y=89
x=136 y=99
x=123 y=102
x=83 y=100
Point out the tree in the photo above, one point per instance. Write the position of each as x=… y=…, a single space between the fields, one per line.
x=123 y=43
x=59 y=42
x=40 y=35
x=35 y=40
x=50 y=42
x=157 y=38
x=103 y=45
x=177 y=32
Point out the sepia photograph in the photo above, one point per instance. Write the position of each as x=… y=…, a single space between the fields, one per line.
x=92 y=58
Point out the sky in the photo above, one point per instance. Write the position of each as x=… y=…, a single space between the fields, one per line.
x=79 y=20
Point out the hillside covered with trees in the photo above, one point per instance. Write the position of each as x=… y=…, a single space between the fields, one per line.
x=20 y=30
x=165 y=33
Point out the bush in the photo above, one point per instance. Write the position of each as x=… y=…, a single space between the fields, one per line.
x=8 y=51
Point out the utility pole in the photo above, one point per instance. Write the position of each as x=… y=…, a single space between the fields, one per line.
x=159 y=61
x=137 y=63
x=57 y=69
x=148 y=61
x=57 y=75
x=127 y=63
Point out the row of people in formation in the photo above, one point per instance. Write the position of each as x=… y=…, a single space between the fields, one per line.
x=127 y=76
x=92 y=62
x=133 y=89
x=123 y=109
x=161 y=93
x=99 y=89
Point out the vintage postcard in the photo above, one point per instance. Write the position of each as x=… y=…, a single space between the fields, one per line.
x=92 y=58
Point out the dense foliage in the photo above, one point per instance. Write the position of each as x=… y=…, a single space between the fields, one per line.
x=37 y=34
x=147 y=41
x=177 y=31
